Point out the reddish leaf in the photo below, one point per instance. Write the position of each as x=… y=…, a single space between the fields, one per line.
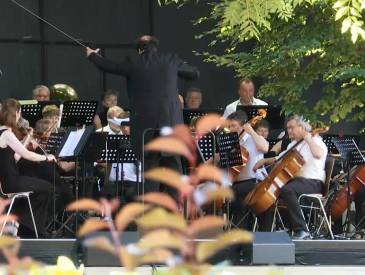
x=160 y=199
x=85 y=205
x=128 y=213
x=208 y=172
x=208 y=123
x=92 y=225
x=167 y=176
x=171 y=145
x=205 y=224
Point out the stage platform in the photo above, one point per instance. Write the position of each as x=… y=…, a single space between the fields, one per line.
x=309 y=252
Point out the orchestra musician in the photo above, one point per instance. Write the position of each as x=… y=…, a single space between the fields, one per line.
x=11 y=150
x=126 y=173
x=246 y=92
x=256 y=146
x=311 y=176
x=50 y=172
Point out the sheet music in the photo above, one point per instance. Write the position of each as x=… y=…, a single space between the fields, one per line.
x=71 y=143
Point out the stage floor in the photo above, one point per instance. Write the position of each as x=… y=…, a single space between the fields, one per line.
x=328 y=253
x=257 y=270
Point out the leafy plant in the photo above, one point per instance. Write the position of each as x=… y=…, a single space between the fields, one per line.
x=167 y=237
x=303 y=51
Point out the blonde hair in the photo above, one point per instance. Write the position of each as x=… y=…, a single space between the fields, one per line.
x=115 y=111
x=50 y=110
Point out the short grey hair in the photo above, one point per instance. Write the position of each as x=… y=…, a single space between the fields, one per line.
x=38 y=88
x=301 y=121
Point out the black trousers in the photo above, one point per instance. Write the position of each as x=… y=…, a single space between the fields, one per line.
x=240 y=209
x=289 y=195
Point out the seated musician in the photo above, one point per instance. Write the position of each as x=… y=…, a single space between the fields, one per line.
x=12 y=181
x=109 y=99
x=41 y=93
x=118 y=124
x=46 y=171
x=256 y=146
x=262 y=128
x=246 y=92
x=52 y=113
x=311 y=176
x=193 y=98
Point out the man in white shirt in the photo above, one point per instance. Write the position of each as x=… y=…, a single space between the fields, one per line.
x=311 y=176
x=126 y=172
x=256 y=146
x=246 y=92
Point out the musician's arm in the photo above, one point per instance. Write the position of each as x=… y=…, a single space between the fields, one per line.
x=263 y=162
x=261 y=143
x=19 y=149
x=315 y=148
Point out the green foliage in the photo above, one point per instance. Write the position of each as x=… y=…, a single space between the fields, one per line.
x=301 y=52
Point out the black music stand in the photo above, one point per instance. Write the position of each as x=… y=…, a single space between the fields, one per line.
x=273 y=114
x=189 y=114
x=78 y=113
x=117 y=149
x=229 y=150
x=206 y=147
x=352 y=156
x=327 y=139
x=33 y=112
x=71 y=149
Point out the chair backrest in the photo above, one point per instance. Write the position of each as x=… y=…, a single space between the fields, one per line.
x=2 y=193
x=330 y=162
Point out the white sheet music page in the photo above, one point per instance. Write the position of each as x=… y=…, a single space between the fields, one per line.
x=71 y=143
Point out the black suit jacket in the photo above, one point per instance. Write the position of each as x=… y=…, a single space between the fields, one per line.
x=152 y=80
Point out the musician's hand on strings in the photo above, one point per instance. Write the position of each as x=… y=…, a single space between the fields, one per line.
x=51 y=158
x=259 y=164
x=90 y=51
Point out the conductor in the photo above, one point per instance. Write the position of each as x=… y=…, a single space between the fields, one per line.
x=152 y=87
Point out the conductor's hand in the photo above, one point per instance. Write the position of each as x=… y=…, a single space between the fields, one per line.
x=90 y=51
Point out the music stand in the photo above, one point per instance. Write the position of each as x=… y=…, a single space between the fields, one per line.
x=78 y=113
x=71 y=149
x=327 y=139
x=229 y=150
x=206 y=146
x=112 y=149
x=33 y=112
x=352 y=156
x=274 y=116
x=189 y=114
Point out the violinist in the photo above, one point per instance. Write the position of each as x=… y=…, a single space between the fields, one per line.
x=255 y=145
x=311 y=176
x=52 y=113
x=11 y=181
x=49 y=172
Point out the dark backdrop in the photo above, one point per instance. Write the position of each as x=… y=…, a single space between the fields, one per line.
x=32 y=53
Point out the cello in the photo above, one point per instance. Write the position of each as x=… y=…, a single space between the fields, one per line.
x=265 y=193
x=341 y=200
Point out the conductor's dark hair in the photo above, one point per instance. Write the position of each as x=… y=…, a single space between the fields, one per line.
x=147 y=43
x=239 y=116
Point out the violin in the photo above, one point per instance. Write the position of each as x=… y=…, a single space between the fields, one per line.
x=245 y=156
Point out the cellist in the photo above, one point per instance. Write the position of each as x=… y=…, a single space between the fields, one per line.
x=311 y=176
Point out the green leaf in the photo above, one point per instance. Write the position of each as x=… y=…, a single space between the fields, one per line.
x=341 y=12
x=346 y=25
